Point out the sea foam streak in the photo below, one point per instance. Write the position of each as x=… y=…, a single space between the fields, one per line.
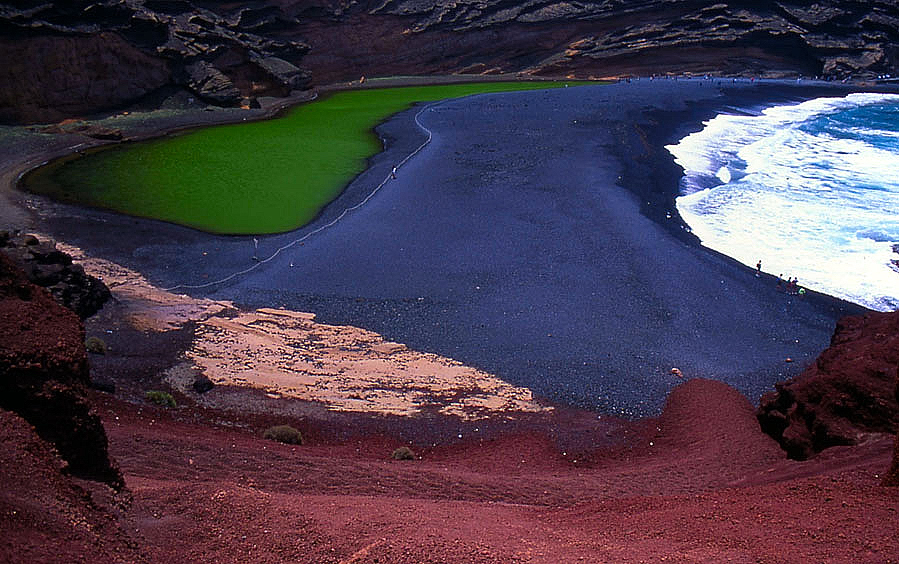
x=811 y=190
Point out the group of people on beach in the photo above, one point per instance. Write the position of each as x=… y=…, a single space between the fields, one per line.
x=790 y=286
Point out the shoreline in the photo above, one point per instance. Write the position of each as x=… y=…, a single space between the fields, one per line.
x=699 y=483
x=160 y=251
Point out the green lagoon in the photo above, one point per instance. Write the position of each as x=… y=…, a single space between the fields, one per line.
x=258 y=177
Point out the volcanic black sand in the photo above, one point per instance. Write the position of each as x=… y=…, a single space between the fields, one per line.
x=531 y=239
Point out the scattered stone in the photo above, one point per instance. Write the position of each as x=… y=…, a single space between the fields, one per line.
x=403 y=453
x=95 y=345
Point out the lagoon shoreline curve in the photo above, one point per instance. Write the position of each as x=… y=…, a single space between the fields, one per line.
x=525 y=259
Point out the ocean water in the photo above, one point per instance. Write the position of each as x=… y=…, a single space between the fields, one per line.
x=811 y=190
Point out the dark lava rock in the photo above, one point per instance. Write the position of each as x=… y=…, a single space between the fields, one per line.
x=66 y=58
x=63 y=59
x=846 y=395
x=202 y=384
x=211 y=84
x=52 y=269
x=44 y=375
x=616 y=37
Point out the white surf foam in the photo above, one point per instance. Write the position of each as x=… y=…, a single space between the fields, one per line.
x=808 y=203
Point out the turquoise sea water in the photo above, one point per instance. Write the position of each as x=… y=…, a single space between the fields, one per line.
x=811 y=190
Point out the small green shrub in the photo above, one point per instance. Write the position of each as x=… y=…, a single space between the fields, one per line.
x=403 y=453
x=163 y=399
x=95 y=345
x=284 y=434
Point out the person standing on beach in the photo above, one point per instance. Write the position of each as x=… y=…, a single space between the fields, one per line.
x=758 y=268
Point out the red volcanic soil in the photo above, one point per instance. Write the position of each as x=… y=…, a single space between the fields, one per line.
x=699 y=484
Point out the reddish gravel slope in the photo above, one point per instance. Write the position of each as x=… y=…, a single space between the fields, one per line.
x=699 y=484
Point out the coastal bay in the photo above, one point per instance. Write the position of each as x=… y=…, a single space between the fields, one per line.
x=530 y=239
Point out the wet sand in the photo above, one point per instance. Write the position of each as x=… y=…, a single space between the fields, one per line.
x=529 y=239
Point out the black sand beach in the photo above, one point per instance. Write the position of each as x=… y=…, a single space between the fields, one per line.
x=530 y=238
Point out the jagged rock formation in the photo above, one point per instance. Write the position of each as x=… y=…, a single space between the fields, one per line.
x=54 y=270
x=63 y=59
x=44 y=375
x=67 y=58
x=821 y=38
x=845 y=396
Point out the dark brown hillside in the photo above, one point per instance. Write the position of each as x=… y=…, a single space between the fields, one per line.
x=67 y=59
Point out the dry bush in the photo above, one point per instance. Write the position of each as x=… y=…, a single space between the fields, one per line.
x=284 y=434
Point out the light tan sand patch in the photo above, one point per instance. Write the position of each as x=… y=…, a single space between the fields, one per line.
x=346 y=368
x=288 y=354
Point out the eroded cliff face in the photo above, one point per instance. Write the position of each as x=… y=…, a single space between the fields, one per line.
x=66 y=59
x=56 y=77
x=71 y=58
x=769 y=38
x=848 y=394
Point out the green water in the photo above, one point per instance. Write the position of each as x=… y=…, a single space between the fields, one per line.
x=249 y=178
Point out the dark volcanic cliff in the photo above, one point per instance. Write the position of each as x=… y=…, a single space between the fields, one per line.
x=64 y=59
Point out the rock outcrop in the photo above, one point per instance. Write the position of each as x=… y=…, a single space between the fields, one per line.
x=44 y=375
x=50 y=268
x=775 y=38
x=67 y=58
x=848 y=394
x=64 y=59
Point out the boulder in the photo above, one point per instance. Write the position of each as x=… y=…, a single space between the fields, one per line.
x=845 y=396
x=44 y=375
x=202 y=384
x=52 y=269
x=283 y=72
x=211 y=84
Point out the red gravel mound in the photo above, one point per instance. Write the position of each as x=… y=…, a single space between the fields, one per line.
x=700 y=484
x=845 y=396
